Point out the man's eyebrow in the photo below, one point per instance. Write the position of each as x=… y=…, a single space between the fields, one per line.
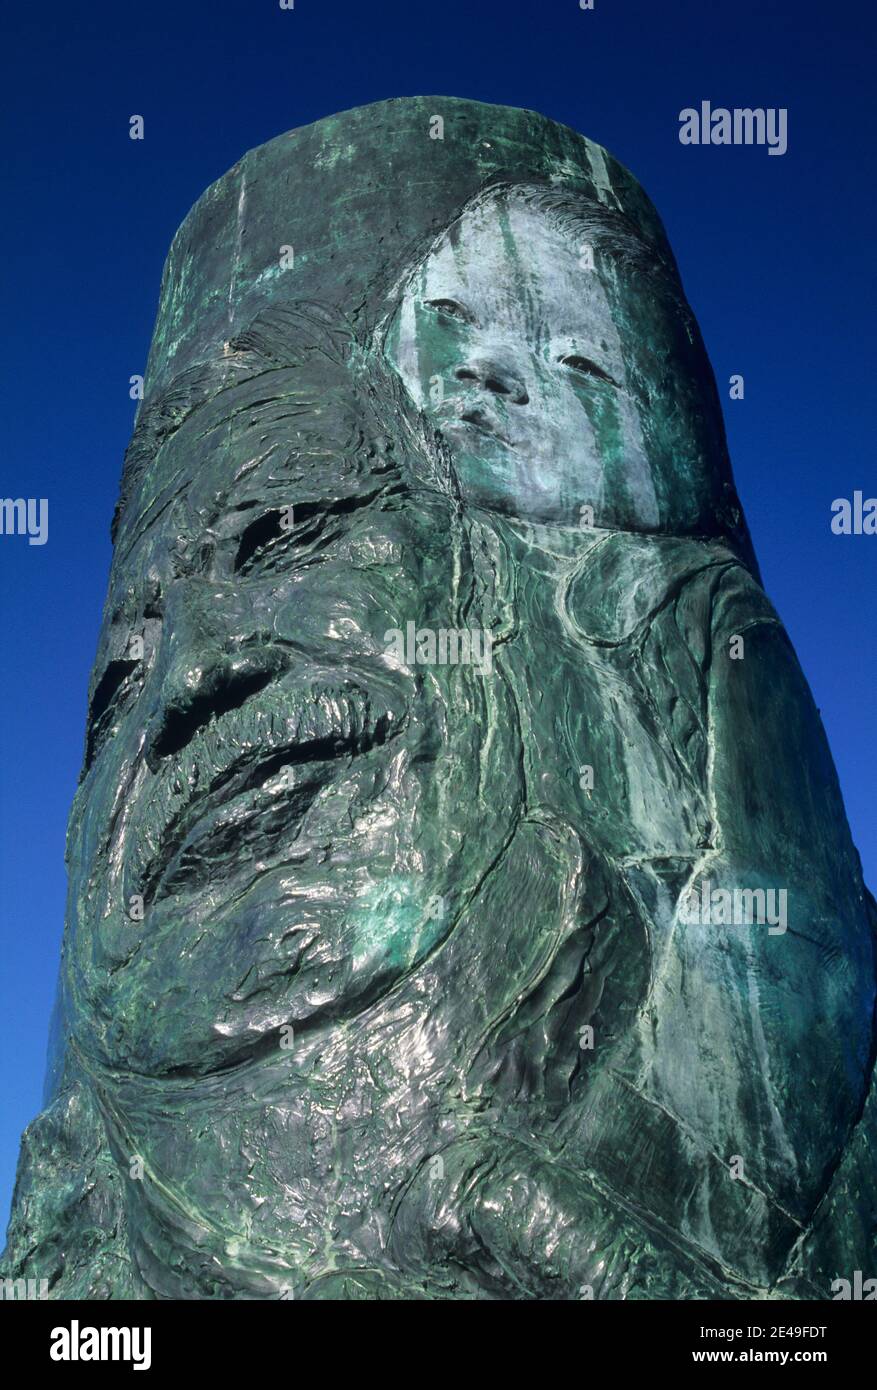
x=145 y=520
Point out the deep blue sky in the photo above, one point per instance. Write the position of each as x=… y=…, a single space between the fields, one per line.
x=777 y=255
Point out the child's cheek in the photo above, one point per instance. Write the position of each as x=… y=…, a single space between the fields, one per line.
x=442 y=347
x=592 y=421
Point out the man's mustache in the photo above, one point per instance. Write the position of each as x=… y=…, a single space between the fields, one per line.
x=234 y=755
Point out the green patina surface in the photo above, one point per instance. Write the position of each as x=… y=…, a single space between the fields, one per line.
x=414 y=1007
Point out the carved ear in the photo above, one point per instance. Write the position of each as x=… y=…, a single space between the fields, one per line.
x=626 y=579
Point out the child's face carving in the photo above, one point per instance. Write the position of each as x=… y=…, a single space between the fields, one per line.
x=505 y=338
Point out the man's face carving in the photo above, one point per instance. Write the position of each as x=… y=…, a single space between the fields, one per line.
x=506 y=340
x=252 y=779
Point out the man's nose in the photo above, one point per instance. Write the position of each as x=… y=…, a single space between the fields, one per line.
x=496 y=376
x=208 y=663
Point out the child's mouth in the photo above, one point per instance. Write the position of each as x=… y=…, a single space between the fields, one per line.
x=476 y=419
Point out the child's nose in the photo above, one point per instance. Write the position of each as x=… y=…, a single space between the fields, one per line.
x=495 y=376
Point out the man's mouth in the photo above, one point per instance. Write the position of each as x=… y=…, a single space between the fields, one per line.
x=246 y=778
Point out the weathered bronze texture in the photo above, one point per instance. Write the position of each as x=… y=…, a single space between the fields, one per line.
x=440 y=730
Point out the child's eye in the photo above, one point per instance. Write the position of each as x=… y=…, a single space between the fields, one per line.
x=451 y=308
x=585 y=367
